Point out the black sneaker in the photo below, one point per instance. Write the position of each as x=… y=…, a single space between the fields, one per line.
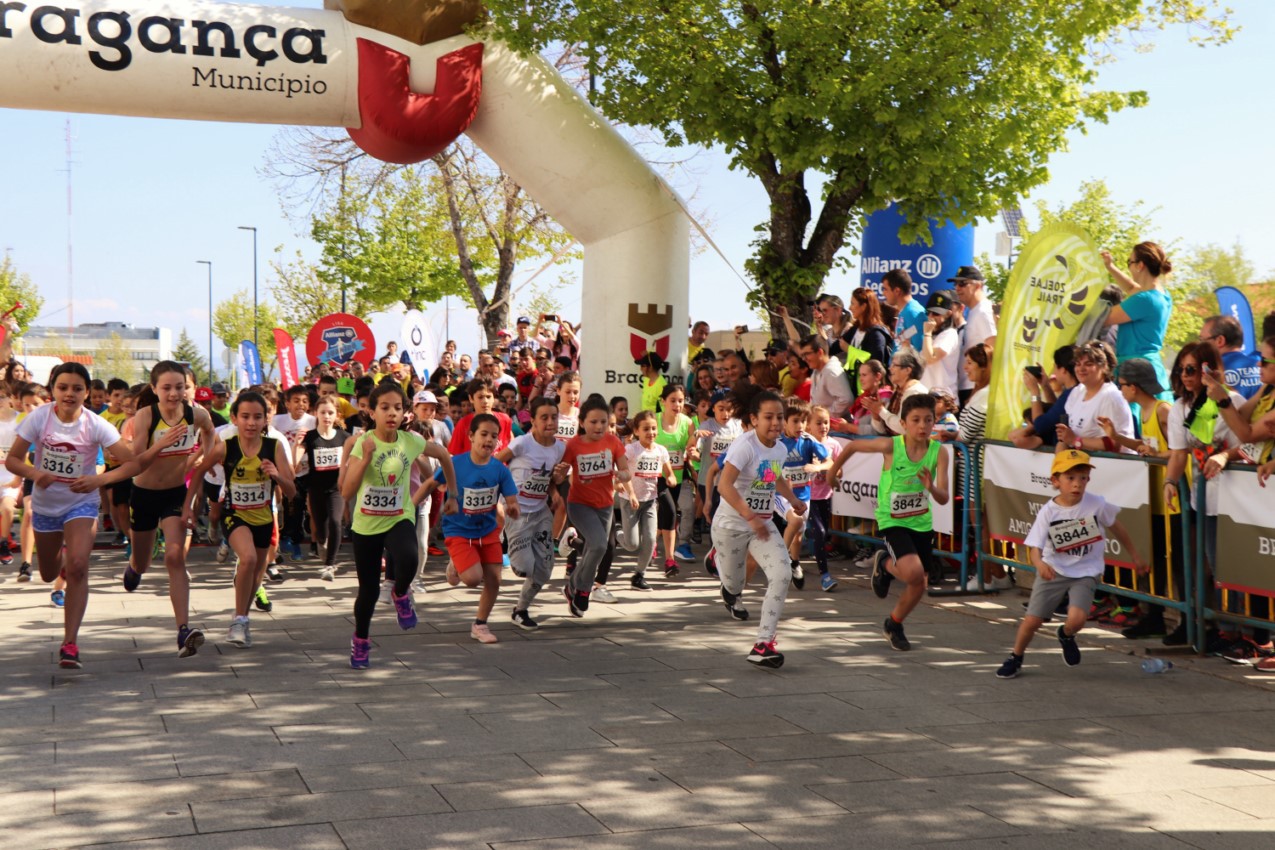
x=765 y=655
x=272 y=572
x=582 y=602
x=523 y=621
x=188 y=641
x=710 y=563
x=738 y=611
x=1009 y=670
x=1071 y=650
x=24 y=572
x=638 y=582
x=6 y=554
x=671 y=570
x=881 y=577
x=894 y=631
x=571 y=602
x=798 y=575
x=1219 y=643
x=1147 y=627
x=132 y=578
x=1248 y=651
x=1177 y=637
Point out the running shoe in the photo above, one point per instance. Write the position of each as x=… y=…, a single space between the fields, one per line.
x=223 y=552
x=765 y=655
x=894 y=631
x=24 y=572
x=798 y=575
x=670 y=569
x=601 y=594
x=1177 y=637
x=569 y=538
x=865 y=561
x=1218 y=642
x=481 y=633
x=1150 y=626
x=69 y=657
x=239 y=633
x=435 y=551
x=1265 y=665
x=262 y=601
x=638 y=582
x=571 y=601
x=523 y=621
x=273 y=573
x=327 y=573
x=881 y=577
x=360 y=653
x=6 y=554
x=1011 y=667
x=58 y=598
x=684 y=553
x=132 y=578
x=120 y=539
x=418 y=587
x=827 y=582
x=404 y=610
x=1121 y=616
x=387 y=593
x=1070 y=649
x=314 y=551
x=733 y=605
x=188 y=641
x=1100 y=608
x=1248 y=651
x=157 y=551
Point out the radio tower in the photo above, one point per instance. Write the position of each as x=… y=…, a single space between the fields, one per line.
x=70 y=278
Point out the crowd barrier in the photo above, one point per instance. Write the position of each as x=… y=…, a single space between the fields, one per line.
x=999 y=488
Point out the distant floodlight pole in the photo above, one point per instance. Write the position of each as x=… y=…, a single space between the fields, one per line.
x=210 y=318
x=254 y=284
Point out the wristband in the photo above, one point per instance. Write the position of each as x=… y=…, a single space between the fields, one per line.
x=1075 y=444
x=1223 y=404
x=1035 y=399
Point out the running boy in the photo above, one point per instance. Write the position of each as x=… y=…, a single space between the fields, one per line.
x=806 y=458
x=1066 y=545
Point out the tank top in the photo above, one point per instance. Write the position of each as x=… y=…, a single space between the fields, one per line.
x=1261 y=452
x=901 y=499
x=187 y=444
x=249 y=490
x=675 y=442
x=1154 y=437
x=325 y=455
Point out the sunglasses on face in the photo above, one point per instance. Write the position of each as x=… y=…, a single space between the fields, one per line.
x=1266 y=361
x=1189 y=370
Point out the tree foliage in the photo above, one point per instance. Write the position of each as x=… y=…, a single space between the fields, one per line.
x=188 y=351
x=17 y=287
x=232 y=323
x=950 y=108
x=303 y=297
x=114 y=359
x=1195 y=278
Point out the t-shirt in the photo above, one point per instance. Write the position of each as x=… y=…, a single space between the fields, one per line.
x=1143 y=335
x=289 y=427
x=714 y=448
x=651 y=393
x=592 y=466
x=460 y=443
x=819 y=488
x=980 y=323
x=8 y=430
x=479 y=488
x=1045 y=425
x=1082 y=413
x=568 y=424
x=532 y=468
x=1071 y=539
x=647 y=466
x=68 y=450
x=974 y=415
x=801 y=450
x=943 y=374
x=909 y=325
x=1243 y=372
x=760 y=468
x=674 y=440
x=382 y=500
x=1180 y=438
x=830 y=388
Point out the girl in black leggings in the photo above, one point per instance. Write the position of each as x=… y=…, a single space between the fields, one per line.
x=324 y=448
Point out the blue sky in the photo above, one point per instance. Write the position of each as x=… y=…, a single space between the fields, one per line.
x=153 y=196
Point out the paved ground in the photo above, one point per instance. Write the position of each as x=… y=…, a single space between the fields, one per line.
x=640 y=726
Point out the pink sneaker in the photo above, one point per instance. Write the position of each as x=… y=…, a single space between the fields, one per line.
x=404 y=610
x=482 y=634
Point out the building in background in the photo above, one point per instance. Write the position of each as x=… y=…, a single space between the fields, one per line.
x=108 y=349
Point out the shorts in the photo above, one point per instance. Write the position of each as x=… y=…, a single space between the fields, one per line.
x=212 y=492
x=901 y=542
x=121 y=492
x=466 y=551
x=46 y=524
x=263 y=536
x=150 y=507
x=1047 y=594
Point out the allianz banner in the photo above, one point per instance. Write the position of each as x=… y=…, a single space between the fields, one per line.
x=1016 y=484
x=1245 y=539
x=857 y=494
x=1053 y=285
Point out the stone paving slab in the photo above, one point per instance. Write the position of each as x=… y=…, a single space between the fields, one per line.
x=640 y=726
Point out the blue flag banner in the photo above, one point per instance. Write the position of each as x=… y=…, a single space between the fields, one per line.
x=250 y=357
x=1231 y=302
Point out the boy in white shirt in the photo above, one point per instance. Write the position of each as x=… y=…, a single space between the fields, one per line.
x=1066 y=545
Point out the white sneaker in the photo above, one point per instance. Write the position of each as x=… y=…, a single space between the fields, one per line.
x=866 y=561
x=418 y=587
x=601 y=594
x=223 y=552
x=239 y=634
x=387 y=587
x=564 y=542
x=1005 y=582
x=327 y=573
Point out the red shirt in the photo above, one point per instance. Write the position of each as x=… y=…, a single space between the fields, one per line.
x=592 y=468
x=803 y=391
x=460 y=434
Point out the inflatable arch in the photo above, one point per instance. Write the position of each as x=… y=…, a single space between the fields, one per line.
x=406 y=81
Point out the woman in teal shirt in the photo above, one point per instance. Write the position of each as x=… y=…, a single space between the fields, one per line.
x=1143 y=316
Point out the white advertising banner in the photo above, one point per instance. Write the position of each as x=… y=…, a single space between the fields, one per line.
x=857 y=495
x=416 y=340
x=1245 y=539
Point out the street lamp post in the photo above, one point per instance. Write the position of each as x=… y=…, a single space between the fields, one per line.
x=210 y=318
x=254 y=284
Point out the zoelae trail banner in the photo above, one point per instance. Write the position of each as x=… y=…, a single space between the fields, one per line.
x=1052 y=287
x=287 y=354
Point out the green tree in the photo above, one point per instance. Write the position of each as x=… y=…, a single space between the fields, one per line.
x=303 y=297
x=1195 y=277
x=187 y=351
x=950 y=108
x=18 y=288
x=113 y=359
x=232 y=324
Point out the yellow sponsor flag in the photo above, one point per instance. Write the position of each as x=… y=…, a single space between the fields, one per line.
x=1052 y=287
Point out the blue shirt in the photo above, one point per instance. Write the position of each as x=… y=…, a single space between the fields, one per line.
x=479 y=488
x=910 y=325
x=1143 y=335
x=1243 y=372
x=801 y=451
x=1046 y=424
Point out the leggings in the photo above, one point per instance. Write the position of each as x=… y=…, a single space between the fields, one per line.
x=326 y=507
x=399 y=546
x=530 y=539
x=637 y=531
x=666 y=501
x=733 y=547
x=294 y=515
x=685 y=512
x=423 y=514
x=819 y=520
x=594 y=527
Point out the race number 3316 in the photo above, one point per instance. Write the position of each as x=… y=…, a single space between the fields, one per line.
x=61 y=464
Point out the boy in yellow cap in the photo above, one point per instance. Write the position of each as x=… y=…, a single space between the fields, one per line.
x=1066 y=545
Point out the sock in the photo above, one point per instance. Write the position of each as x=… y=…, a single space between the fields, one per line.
x=478 y=622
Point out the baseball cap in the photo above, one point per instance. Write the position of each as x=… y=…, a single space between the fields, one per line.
x=967 y=273
x=203 y=394
x=652 y=360
x=345 y=386
x=503 y=332
x=774 y=347
x=425 y=397
x=1069 y=459
x=1139 y=372
x=220 y=389
x=524 y=320
x=939 y=303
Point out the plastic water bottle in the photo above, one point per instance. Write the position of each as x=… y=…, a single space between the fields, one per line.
x=1156 y=665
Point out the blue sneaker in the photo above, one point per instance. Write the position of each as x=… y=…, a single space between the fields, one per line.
x=360 y=653
x=684 y=553
x=504 y=560
x=404 y=610
x=59 y=598
x=827 y=582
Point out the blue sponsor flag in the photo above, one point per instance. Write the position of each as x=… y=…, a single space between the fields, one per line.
x=1232 y=302
x=250 y=357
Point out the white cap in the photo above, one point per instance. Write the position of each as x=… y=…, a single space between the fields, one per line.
x=425 y=397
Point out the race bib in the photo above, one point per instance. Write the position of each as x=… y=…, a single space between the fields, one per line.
x=479 y=500
x=596 y=465
x=904 y=505
x=382 y=501
x=1251 y=452
x=648 y=466
x=677 y=459
x=327 y=458
x=797 y=476
x=1069 y=535
x=1153 y=443
x=184 y=446
x=719 y=445
x=761 y=502
x=61 y=464
x=567 y=428
x=536 y=486
x=245 y=497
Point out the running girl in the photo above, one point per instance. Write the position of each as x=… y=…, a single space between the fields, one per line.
x=323 y=449
x=744 y=523
x=650 y=463
x=675 y=433
x=64 y=499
